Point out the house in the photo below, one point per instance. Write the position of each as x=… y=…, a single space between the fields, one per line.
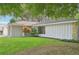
x=14 y=29
x=3 y=30
x=62 y=29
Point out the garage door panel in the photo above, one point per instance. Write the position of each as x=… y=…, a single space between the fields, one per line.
x=63 y=31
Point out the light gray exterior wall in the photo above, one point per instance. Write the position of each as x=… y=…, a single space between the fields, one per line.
x=62 y=31
x=15 y=31
x=5 y=30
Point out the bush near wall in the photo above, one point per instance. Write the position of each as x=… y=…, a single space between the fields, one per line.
x=34 y=32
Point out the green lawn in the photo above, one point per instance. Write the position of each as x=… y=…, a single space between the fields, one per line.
x=14 y=45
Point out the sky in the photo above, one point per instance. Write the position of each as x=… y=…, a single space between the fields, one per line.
x=5 y=19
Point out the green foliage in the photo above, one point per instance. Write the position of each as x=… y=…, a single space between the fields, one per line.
x=34 y=32
x=54 y=10
x=77 y=16
x=10 y=8
x=12 y=20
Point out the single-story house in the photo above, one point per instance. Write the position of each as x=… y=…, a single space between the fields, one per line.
x=65 y=29
x=62 y=29
x=14 y=29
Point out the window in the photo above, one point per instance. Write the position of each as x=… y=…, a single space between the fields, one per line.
x=41 y=30
x=1 y=32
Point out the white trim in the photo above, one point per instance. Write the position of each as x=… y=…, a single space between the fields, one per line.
x=55 y=23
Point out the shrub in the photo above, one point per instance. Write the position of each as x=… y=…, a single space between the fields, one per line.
x=34 y=32
x=26 y=29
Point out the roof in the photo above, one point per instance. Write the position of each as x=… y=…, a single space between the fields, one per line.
x=43 y=23
x=55 y=22
x=24 y=23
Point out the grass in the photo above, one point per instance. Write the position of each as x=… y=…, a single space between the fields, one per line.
x=14 y=45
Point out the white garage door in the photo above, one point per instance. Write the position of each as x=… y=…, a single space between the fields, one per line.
x=62 y=31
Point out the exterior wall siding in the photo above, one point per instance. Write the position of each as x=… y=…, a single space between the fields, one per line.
x=61 y=31
x=5 y=31
x=15 y=31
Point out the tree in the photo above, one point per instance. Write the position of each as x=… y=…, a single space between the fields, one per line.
x=13 y=9
x=12 y=20
x=77 y=16
x=53 y=10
